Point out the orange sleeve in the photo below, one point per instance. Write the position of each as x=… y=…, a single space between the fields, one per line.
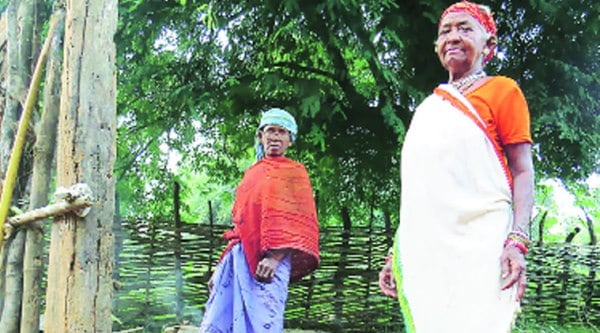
x=503 y=107
x=512 y=114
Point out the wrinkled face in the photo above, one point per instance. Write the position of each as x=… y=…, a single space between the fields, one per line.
x=275 y=140
x=460 y=44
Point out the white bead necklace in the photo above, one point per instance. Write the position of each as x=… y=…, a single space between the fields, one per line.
x=469 y=79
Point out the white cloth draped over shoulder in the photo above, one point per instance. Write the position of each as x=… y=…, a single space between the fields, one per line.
x=455 y=214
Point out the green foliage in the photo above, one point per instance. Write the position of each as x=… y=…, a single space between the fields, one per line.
x=194 y=76
x=579 y=213
x=533 y=327
x=200 y=189
x=539 y=39
x=587 y=198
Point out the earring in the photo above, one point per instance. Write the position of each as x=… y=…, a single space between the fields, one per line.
x=486 y=51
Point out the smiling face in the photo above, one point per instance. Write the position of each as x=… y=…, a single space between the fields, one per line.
x=461 y=44
x=275 y=140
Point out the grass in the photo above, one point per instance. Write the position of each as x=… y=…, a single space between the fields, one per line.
x=529 y=327
x=540 y=328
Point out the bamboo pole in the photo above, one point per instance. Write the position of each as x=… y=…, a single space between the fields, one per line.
x=15 y=156
x=77 y=198
x=131 y=330
x=41 y=179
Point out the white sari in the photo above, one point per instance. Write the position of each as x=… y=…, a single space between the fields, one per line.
x=455 y=214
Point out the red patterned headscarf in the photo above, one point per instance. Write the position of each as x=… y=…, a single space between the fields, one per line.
x=481 y=14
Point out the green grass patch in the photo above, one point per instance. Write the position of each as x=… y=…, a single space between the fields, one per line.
x=532 y=327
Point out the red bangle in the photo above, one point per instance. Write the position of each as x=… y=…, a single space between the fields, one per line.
x=517 y=244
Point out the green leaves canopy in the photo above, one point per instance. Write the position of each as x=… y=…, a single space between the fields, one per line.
x=194 y=76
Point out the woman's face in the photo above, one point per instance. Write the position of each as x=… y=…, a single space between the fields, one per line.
x=275 y=140
x=460 y=44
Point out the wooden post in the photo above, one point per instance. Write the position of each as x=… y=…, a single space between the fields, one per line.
x=565 y=275
x=178 y=272
x=211 y=240
x=79 y=290
x=340 y=274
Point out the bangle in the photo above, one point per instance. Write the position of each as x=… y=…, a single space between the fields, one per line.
x=519 y=237
x=513 y=242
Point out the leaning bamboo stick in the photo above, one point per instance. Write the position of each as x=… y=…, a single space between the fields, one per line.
x=15 y=156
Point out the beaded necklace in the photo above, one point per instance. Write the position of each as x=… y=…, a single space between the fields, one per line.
x=469 y=79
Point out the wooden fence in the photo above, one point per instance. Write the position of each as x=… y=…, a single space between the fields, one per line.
x=163 y=275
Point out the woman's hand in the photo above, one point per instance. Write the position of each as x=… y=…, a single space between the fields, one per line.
x=265 y=271
x=514 y=270
x=387 y=283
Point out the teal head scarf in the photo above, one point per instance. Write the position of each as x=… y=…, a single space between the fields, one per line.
x=277 y=117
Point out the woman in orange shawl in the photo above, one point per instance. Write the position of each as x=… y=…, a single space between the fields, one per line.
x=275 y=239
x=458 y=263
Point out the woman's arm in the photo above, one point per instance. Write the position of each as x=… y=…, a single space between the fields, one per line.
x=521 y=168
x=513 y=257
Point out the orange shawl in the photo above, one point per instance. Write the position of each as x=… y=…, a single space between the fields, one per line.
x=274 y=209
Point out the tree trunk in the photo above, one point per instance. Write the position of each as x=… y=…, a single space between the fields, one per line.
x=80 y=265
x=40 y=185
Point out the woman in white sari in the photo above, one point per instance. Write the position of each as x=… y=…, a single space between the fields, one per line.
x=458 y=262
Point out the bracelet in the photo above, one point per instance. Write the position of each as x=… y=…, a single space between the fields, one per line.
x=512 y=242
x=519 y=237
x=519 y=234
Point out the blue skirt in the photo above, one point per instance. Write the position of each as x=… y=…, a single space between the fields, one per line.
x=240 y=304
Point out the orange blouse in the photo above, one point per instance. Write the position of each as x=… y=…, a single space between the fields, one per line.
x=502 y=106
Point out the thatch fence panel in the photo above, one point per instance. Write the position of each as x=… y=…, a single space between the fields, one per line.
x=341 y=296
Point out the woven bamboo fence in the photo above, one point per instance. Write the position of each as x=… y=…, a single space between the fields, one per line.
x=163 y=276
